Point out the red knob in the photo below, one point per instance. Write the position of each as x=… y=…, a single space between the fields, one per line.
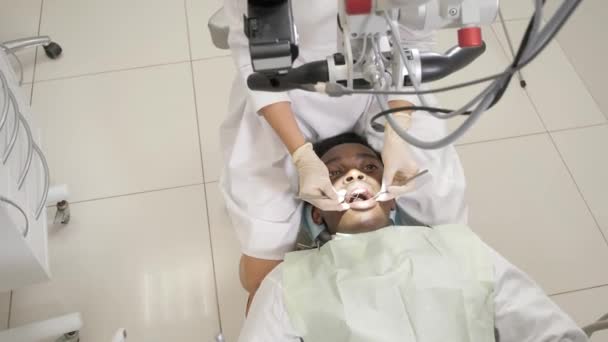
x=354 y=7
x=469 y=37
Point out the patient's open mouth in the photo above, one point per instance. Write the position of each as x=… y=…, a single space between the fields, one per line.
x=358 y=195
x=360 y=198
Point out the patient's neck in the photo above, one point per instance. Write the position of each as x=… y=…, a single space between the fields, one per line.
x=363 y=228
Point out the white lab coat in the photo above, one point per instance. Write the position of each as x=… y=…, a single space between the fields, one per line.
x=260 y=182
x=523 y=313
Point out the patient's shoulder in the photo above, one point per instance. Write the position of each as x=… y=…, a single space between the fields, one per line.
x=299 y=257
x=444 y=230
x=456 y=227
x=275 y=277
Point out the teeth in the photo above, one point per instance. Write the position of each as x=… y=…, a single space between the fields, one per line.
x=358 y=195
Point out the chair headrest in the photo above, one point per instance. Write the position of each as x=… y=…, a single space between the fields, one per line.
x=219 y=29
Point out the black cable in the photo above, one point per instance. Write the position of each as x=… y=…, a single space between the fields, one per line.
x=496 y=90
x=516 y=61
x=413 y=108
x=266 y=3
x=552 y=36
x=510 y=72
x=516 y=65
x=524 y=43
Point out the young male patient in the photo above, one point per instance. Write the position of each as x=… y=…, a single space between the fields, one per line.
x=375 y=281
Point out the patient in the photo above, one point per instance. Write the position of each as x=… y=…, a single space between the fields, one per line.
x=375 y=281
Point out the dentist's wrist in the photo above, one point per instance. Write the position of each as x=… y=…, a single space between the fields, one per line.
x=400 y=104
x=403 y=118
x=404 y=121
x=301 y=152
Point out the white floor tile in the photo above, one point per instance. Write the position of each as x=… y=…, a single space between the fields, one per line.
x=582 y=151
x=560 y=96
x=141 y=262
x=517 y=9
x=525 y=205
x=20 y=19
x=113 y=34
x=586 y=307
x=583 y=39
x=213 y=79
x=5 y=298
x=226 y=253
x=121 y=132
x=513 y=116
x=27 y=90
x=199 y=12
x=523 y=9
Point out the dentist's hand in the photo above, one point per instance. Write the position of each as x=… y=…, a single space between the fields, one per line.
x=399 y=165
x=315 y=185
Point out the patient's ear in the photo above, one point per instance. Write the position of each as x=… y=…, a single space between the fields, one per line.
x=316 y=215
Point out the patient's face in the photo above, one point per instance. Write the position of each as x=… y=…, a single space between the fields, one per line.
x=358 y=170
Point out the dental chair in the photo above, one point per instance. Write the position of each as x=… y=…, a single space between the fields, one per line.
x=601 y=324
x=219 y=29
x=311 y=235
x=51 y=49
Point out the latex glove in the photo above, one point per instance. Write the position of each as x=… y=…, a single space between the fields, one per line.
x=315 y=185
x=400 y=166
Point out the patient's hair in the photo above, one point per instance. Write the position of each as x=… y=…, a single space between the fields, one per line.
x=323 y=146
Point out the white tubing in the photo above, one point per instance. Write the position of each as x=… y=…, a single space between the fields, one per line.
x=43 y=331
x=57 y=194
x=120 y=336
